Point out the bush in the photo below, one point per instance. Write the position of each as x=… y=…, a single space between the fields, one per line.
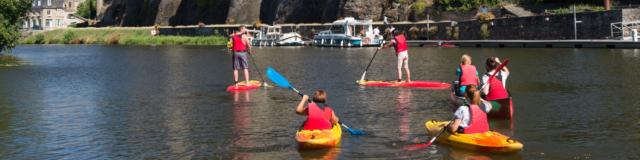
x=39 y=39
x=465 y=5
x=68 y=37
x=484 y=31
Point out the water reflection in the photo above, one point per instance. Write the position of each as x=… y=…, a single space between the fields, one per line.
x=403 y=108
x=241 y=120
x=324 y=154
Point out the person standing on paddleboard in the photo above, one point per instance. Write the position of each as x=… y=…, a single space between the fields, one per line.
x=496 y=87
x=319 y=115
x=240 y=47
x=471 y=118
x=467 y=75
x=399 y=42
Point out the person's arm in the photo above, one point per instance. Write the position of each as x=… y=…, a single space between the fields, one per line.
x=334 y=118
x=504 y=69
x=486 y=105
x=387 y=45
x=300 y=109
x=457 y=120
x=485 y=81
x=454 y=125
x=245 y=40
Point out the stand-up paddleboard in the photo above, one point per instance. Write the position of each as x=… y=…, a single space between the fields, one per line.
x=412 y=84
x=253 y=84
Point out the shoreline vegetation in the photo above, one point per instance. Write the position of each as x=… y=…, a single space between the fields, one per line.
x=116 y=36
x=8 y=60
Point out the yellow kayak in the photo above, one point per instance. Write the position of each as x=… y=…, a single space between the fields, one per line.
x=315 y=139
x=486 y=142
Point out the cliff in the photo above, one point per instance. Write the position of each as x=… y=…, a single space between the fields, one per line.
x=190 y=12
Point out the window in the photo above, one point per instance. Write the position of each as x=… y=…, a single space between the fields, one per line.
x=48 y=12
x=48 y=23
x=39 y=2
x=48 y=2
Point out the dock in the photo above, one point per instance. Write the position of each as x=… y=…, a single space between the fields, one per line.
x=529 y=43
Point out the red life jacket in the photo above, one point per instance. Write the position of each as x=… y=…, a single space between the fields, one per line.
x=318 y=119
x=496 y=88
x=479 y=123
x=238 y=45
x=468 y=75
x=401 y=43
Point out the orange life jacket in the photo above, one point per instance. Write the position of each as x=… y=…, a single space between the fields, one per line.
x=238 y=45
x=496 y=88
x=468 y=75
x=401 y=43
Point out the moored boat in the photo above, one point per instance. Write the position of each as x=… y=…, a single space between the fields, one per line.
x=349 y=32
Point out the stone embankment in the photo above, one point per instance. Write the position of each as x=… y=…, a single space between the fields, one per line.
x=594 y=25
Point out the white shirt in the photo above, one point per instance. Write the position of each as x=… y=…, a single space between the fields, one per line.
x=463 y=113
x=485 y=80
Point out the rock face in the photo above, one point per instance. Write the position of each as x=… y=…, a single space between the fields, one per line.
x=191 y=12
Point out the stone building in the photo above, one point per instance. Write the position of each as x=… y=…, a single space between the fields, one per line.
x=52 y=14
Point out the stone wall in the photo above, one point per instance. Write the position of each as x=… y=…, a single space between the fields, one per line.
x=595 y=25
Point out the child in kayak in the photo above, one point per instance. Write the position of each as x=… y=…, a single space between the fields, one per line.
x=467 y=75
x=495 y=87
x=319 y=115
x=471 y=118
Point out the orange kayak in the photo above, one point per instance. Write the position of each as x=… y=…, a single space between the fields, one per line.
x=486 y=142
x=316 y=139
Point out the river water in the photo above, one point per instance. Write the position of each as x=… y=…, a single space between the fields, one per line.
x=115 y=102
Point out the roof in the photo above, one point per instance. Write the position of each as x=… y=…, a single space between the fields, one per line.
x=55 y=4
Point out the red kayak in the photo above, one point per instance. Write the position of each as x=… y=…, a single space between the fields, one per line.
x=253 y=84
x=412 y=84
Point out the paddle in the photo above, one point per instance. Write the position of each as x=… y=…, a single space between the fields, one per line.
x=281 y=81
x=422 y=145
x=264 y=83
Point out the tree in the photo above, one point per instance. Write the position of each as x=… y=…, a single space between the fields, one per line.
x=87 y=9
x=11 y=14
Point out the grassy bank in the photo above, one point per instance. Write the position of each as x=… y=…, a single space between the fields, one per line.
x=116 y=36
x=8 y=60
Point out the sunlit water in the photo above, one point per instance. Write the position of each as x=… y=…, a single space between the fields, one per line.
x=114 y=102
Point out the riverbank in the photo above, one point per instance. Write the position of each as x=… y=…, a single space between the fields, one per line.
x=8 y=60
x=116 y=36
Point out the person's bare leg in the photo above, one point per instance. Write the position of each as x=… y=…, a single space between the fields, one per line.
x=235 y=78
x=408 y=74
x=399 y=74
x=246 y=76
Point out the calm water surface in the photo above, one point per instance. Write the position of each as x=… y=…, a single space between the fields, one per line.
x=114 y=102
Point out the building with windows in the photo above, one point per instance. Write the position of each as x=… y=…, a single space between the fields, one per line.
x=52 y=14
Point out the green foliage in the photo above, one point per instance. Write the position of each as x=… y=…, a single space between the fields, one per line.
x=7 y=60
x=11 y=13
x=419 y=6
x=579 y=8
x=465 y=5
x=117 y=36
x=87 y=9
x=484 y=31
x=68 y=37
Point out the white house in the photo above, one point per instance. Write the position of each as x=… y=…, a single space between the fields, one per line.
x=52 y=14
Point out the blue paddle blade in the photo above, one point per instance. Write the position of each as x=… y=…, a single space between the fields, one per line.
x=352 y=131
x=277 y=78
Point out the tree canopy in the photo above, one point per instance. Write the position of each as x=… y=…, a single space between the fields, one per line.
x=87 y=9
x=11 y=14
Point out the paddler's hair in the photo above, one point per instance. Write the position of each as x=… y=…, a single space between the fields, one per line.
x=492 y=63
x=320 y=96
x=472 y=94
x=465 y=58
